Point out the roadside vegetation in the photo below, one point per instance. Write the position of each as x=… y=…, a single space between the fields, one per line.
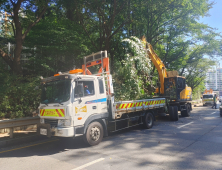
x=54 y=35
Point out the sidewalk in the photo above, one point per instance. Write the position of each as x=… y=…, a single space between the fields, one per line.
x=197 y=105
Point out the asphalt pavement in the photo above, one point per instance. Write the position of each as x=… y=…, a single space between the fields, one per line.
x=193 y=142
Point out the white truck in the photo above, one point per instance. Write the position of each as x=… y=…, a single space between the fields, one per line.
x=79 y=103
x=207 y=98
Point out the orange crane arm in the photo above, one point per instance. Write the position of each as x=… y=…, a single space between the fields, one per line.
x=157 y=63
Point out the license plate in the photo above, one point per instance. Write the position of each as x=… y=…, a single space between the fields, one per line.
x=43 y=131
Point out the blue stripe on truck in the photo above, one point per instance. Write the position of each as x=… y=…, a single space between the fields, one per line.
x=96 y=101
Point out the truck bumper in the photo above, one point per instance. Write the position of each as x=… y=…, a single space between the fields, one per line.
x=45 y=129
x=64 y=132
x=208 y=103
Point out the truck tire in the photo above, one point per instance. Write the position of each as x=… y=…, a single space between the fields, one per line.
x=171 y=113
x=94 y=134
x=175 y=113
x=148 y=120
x=185 y=112
x=190 y=106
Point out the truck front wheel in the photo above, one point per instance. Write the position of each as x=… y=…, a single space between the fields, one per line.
x=148 y=120
x=94 y=134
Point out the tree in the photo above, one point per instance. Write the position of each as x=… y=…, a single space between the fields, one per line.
x=103 y=22
x=55 y=44
x=24 y=15
x=196 y=72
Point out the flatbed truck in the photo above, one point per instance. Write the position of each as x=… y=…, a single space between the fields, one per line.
x=77 y=103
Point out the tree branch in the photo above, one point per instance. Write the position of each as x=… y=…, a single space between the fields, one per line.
x=113 y=16
x=12 y=2
x=34 y=23
x=17 y=6
x=89 y=37
x=13 y=28
x=118 y=29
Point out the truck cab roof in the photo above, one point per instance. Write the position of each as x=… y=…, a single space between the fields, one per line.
x=68 y=76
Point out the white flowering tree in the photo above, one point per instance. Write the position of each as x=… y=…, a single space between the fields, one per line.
x=132 y=75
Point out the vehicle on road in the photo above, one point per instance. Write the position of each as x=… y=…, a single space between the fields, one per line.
x=80 y=103
x=172 y=87
x=207 y=98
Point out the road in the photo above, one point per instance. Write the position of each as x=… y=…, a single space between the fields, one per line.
x=193 y=142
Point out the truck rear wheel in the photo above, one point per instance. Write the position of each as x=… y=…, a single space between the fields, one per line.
x=148 y=121
x=94 y=134
x=175 y=113
x=185 y=112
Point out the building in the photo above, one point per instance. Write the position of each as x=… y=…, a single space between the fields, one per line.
x=219 y=79
x=5 y=25
x=1 y=21
x=214 y=79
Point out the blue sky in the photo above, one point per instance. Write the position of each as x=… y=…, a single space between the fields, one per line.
x=215 y=18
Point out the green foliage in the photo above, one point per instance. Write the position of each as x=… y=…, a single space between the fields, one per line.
x=197 y=92
x=55 y=44
x=129 y=79
x=196 y=72
x=19 y=96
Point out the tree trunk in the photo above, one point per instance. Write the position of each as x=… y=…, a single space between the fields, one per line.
x=16 y=66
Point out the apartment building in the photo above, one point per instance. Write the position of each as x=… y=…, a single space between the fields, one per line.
x=214 y=79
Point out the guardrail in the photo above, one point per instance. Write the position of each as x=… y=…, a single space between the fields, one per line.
x=18 y=122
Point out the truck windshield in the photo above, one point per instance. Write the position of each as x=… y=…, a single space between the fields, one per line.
x=207 y=96
x=56 y=91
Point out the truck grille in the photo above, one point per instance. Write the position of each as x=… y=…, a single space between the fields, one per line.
x=52 y=122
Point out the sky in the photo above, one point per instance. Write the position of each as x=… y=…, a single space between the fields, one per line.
x=215 y=18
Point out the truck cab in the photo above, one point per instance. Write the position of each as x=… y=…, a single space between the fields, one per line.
x=69 y=101
x=207 y=99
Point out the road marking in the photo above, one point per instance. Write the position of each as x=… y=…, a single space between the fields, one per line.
x=184 y=125
x=88 y=164
x=28 y=146
x=213 y=113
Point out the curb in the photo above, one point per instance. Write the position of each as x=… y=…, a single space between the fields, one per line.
x=10 y=142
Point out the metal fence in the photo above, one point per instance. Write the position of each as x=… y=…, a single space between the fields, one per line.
x=18 y=122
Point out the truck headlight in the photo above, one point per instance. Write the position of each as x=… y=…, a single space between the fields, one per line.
x=42 y=121
x=64 y=122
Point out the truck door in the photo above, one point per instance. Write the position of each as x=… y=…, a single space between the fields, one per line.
x=101 y=96
x=85 y=101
